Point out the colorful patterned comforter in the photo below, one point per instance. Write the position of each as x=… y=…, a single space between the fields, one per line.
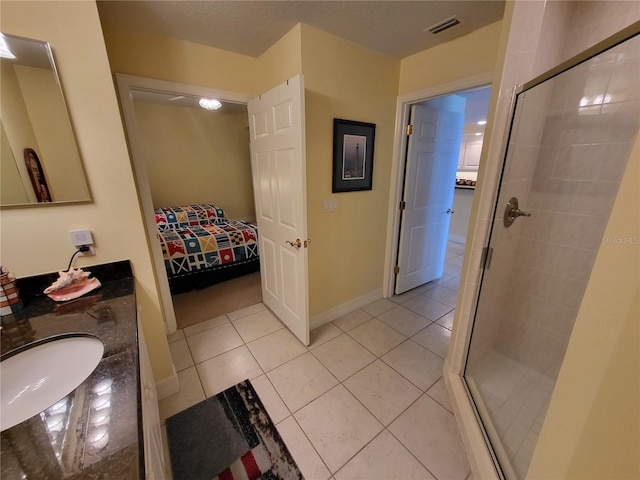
x=201 y=247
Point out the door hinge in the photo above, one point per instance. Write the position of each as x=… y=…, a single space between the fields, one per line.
x=485 y=261
x=403 y=205
x=409 y=129
x=396 y=269
x=307 y=242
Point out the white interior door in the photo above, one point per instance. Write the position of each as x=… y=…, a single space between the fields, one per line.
x=277 y=135
x=432 y=160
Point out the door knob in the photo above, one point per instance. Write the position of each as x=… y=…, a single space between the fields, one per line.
x=296 y=244
x=511 y=212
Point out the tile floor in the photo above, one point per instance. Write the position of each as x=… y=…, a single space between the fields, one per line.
x=365 y=400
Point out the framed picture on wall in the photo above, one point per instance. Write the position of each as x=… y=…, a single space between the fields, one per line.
x=353 y=144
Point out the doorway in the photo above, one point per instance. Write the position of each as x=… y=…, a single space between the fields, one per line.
x=128 y=85
x=436 y=180
x=197 y=157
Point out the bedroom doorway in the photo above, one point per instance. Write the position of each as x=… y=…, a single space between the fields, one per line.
x=178 y=169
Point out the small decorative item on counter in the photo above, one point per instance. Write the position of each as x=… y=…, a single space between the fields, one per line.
x=71 y=284
x=9 y=296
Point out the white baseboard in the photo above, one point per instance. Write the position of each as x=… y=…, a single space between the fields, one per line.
x=458 y=239
x=169 y=385
x=348 y=307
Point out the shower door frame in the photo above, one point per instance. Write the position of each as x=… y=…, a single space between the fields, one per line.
x=482 y=457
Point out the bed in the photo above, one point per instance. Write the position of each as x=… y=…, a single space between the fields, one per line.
x=201 y=247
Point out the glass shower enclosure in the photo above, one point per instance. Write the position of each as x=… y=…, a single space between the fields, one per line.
x=571 y=135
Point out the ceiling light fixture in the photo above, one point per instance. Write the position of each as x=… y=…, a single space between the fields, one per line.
x=210 y=103
x=482 y=122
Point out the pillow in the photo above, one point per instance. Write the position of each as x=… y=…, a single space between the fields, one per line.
x=173 y=218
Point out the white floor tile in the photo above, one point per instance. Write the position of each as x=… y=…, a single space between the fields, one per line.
x=443 y=295
x=417 y=364
x=379 y=306
x=177 y=335
x=246 y=311
x=439 y=393
x=277 y=348
x=446 y=321
x=311 y=465
x=323 y=334
x=453 y=283
x=338 y=426
x=403 y=297
x=376 y=336
x=190 y=393
x=202 y=326
x=272 y=402
x=383 y=391
x=301 y=380
x=343 y=356
x=256 y=325
x=430 y=433
x=434 y=338
x=225 y=370
x=383 y=459
x=404 y=320
x=213 y=342
x=427 y=307
x=352 y=320
x=180 y=354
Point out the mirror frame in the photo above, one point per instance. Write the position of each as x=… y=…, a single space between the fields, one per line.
x=49 y=51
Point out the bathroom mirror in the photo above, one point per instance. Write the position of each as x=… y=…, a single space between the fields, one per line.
x=35 y=123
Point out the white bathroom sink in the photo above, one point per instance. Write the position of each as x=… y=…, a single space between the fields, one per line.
x=38 y=376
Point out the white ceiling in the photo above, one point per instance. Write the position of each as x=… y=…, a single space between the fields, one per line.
x=392 y=27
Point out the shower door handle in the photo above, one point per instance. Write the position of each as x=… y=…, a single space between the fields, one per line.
x=511 y=212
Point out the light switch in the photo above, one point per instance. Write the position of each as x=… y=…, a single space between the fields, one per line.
x=329 y=204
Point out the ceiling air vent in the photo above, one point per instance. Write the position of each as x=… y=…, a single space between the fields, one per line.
x=444 y=25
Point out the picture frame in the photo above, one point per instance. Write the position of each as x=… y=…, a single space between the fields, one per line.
x=353 y=145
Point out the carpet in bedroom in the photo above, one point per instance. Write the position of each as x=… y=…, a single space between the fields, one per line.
x=226 y=297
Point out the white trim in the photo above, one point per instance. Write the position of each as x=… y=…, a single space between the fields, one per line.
x=127 y=83
x=169 y=385
x=348 y=307
x=478 y=453
x=400 y=144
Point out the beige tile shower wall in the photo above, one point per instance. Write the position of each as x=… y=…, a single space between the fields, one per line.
x=593 y=21
x=584 y=152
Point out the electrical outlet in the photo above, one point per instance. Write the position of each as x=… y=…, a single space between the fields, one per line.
x=83 y=238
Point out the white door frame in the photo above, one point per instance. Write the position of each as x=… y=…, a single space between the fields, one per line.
x=127 y=83
x=403 y=108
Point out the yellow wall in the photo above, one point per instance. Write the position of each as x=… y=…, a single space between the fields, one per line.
x=463 y=57
x=592 y=428
x=36 y=240
x=19 y=133
x=283 y=60
x=345 y=80
x=197 y=156
x=12 y=188
x=174 y=60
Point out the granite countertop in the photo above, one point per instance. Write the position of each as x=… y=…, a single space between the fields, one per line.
x=96 y=430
